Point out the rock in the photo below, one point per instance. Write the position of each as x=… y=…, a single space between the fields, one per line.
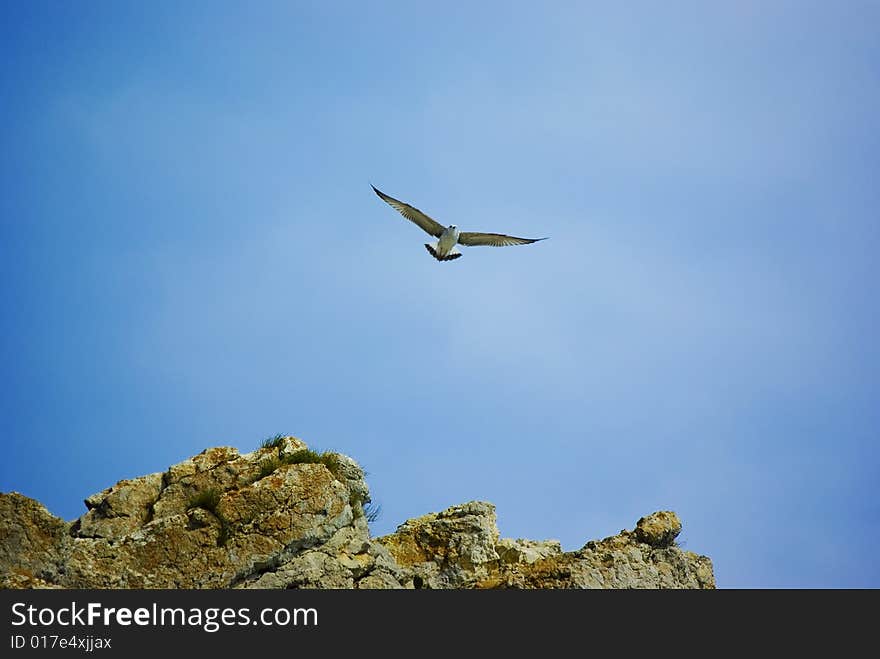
x=349 y=559
x=286 y=517
x=459 y=548
x=526 y=551
x=449 y=549
x=643 y=558
x=34 y=544
x=119 y=509
x=658 y=530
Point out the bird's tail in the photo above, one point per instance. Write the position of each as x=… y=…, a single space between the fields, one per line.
x=449 y=257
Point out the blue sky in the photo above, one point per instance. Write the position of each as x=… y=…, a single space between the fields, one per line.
x=191 y=255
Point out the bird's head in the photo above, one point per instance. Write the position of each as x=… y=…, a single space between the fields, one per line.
x=453 y=227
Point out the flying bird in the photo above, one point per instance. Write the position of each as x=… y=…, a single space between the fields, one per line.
x=448 y=237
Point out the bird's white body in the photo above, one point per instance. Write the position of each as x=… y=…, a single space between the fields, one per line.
x=448 y=241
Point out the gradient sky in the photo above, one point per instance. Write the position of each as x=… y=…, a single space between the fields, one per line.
x=191 y=256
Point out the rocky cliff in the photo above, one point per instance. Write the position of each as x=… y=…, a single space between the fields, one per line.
x=284 y=516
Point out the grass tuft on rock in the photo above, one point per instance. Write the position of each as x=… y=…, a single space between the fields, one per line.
x=308 y=456
x=366 y=509
x=372 y=511
x=273 y=442
x=268 y=467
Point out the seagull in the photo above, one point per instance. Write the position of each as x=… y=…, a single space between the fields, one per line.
x=448 y=237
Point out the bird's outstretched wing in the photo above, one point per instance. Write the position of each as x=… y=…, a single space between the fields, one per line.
x=411 y=213
x=472 y=239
